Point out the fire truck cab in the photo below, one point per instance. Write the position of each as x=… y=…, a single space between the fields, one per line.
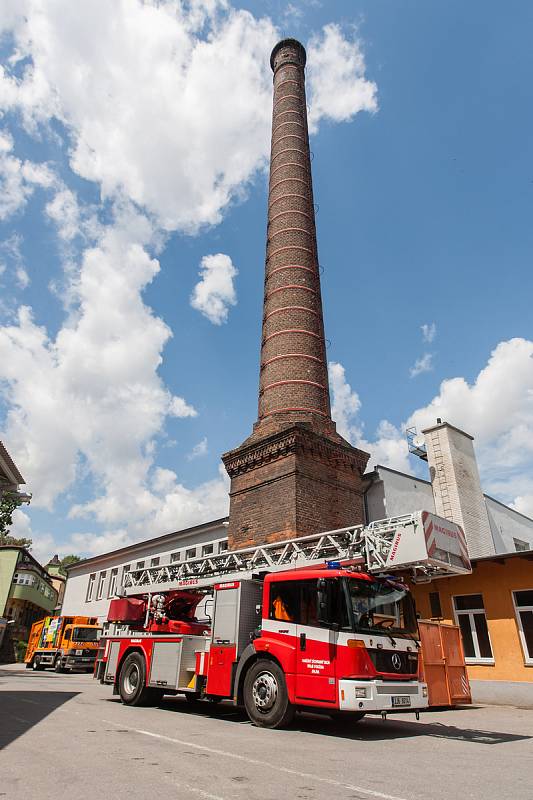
x=328 y=638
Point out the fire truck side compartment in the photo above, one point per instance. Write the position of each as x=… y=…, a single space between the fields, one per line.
x=166 y=658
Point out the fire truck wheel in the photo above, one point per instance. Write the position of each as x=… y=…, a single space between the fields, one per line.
x=132 y=689
x=36 y=664
x=265 y=695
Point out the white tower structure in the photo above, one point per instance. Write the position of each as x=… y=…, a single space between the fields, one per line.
x=456 y=485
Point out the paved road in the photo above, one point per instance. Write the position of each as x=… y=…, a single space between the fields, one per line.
x=61 y=731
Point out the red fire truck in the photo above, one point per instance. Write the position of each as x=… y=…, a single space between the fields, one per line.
x=311 y=623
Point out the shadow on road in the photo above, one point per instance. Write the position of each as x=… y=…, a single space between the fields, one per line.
x=20 y=711
x=370 y=729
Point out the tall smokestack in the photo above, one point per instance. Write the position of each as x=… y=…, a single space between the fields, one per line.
x=294 y=475
x=294 y=378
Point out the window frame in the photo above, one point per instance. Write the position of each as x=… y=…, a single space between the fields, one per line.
x=189 y=550
x=113 y=581
x=102 y=575
x=470 y=613
x=90 y=588
x=528 y=659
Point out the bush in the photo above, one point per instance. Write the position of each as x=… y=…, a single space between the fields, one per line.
x=20 y=650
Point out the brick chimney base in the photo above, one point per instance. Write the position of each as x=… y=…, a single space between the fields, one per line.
x=293 y=483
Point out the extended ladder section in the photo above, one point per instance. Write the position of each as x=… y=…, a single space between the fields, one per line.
x=427 y=545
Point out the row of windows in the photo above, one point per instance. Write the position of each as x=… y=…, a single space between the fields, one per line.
x=469 y=610
x=28 y=579
x=97 y=580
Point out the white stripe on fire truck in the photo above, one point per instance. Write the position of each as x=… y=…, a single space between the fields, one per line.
x=324 y=634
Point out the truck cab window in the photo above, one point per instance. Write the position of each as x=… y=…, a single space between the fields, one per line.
x=285 y=601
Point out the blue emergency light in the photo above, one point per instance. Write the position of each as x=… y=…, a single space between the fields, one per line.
x=333 y=564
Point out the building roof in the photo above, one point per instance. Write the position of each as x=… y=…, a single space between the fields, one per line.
x=9 y=466
x=158 y=540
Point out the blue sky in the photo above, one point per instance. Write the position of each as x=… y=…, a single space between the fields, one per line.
x=133 y=143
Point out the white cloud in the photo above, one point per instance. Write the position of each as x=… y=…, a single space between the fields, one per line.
x=422 y=364
x=338 y=89
x=389 y=448
x=167 y=111
x=497 y=409
x=345 y=402
x=214 y=293
x=429 y=331
x=19 y=179
x=199 y=449
x=170 y=103
x=179 y=408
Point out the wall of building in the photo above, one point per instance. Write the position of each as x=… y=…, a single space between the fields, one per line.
x=8 y=562
x=75 y=598
x=393 y=493
x=495 y=579
x=507 y=525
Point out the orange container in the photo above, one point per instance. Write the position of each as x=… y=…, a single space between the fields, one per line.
x=443 y=664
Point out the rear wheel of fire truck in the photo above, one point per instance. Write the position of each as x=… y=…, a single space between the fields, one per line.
x=132 y=689
x=265 y=695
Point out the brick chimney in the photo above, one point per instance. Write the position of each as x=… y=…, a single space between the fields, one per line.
x=294 y=475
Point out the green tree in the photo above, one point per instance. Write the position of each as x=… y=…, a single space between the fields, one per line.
x=9 y=502
x=68 y=560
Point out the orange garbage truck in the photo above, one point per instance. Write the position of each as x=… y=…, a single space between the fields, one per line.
x=64 y=643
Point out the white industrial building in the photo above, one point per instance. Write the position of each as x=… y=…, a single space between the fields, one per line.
x=455 y=492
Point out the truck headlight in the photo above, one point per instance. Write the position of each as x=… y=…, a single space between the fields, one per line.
x=360 y=692
x=424 y=691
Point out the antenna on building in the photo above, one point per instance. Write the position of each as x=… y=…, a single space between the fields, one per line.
x=416 y=444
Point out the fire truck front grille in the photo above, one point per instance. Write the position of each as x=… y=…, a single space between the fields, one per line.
x=394 y=661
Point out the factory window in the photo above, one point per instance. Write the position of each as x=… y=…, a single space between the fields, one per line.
x=223 y=546
x=190 y=553
x=139 y=565
x=523 y=601
x=154 y=562
x=113 y=582
x=90 y=587
x=207 y=549
x=434 y=604
x=175 y=557
x=470 y=616
x=101 y=581
x=520 y=545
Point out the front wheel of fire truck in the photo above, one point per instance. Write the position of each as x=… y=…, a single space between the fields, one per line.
x=132 y=680
x=265 y=695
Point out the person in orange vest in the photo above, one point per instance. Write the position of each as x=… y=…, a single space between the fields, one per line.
x=280 y=610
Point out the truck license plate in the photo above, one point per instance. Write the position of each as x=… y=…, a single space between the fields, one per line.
x=79 y=652
x=400 y=700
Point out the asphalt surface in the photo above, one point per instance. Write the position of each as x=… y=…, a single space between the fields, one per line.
x=67 y=736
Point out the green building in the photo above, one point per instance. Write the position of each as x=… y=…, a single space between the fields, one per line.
x=26 y=590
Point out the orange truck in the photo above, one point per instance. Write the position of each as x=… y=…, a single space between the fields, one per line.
x=64 y=643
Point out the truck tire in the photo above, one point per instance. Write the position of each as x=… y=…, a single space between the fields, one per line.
x=58 y=666
x=265 y=695
x=132 y=680
x=36 y=664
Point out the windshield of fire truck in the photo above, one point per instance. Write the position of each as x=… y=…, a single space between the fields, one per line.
x=86 y=634
x=382 y=606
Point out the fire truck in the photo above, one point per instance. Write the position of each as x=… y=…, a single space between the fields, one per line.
x=322 y=622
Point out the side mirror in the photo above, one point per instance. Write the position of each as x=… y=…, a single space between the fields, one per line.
x=324 y=601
